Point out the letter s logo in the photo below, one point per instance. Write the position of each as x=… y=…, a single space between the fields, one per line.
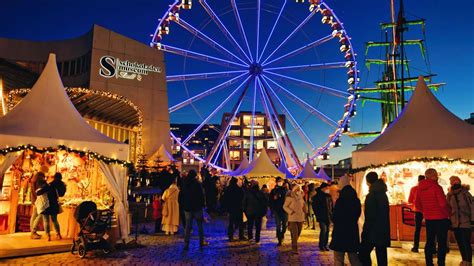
x=107 y=66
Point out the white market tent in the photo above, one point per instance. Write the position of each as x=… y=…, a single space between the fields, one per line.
x=308 y=172
x=242 y=166
x=322 y=174
x=282 y=168
x=424 y=129
x=262 y=166
x=163 y=155
x=47 y=118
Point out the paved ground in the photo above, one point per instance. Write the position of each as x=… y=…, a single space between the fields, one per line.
x=168 y=250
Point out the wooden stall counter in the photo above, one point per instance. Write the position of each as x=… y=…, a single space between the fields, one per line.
x=67 y=223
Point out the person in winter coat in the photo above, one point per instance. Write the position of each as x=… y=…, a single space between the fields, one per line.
x=296 y=208
x=191 y=198
x=322 y=207
x=157 y=213
x=376 y=229
x=277 y=199
x=418 y=215
x=36 y=217
x=170 y=211
x=462 y=217
x=311 y=215
x=232 y=202
x=255 y=207
x=345 y=234
x=54 y=190
x=431 y=201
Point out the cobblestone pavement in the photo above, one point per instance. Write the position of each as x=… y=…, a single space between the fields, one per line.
x=168 y=250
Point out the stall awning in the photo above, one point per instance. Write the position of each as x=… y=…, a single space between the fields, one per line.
x=424 y=129
x=47 y=118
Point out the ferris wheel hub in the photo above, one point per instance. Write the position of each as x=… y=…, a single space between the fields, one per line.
x=255 y=69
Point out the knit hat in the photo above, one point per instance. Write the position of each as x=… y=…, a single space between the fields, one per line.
x=344 y=181
x=323 y=185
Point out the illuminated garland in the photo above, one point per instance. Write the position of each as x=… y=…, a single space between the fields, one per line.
x=424 y=160
x=110 y=95
x=90 y=154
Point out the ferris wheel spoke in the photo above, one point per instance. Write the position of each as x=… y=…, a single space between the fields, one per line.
x=308 y=18
x=199 y=56
x=322 y=88
x=208 y=40
x=310 y=66
x=292 y=120
x=241 y=26
x=252 y=125
x=275 y=120
x=304 y=104
x=200 y=76
x=258 y=27
x=217 y=109
x=271 y=32
x=223 y=28
x=208 y=92
x=301 y=49
x=227 y=124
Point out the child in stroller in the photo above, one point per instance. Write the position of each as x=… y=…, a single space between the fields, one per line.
x=94 y=225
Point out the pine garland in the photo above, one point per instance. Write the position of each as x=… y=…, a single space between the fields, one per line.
x=82 y=153
x=421 y=159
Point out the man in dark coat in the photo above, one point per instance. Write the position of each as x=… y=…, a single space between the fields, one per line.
x=376 y=230
x=191 y=199
x=232 y=201
x=345 y=234
x=322 y=207
x=255 y=206
x=277 y=200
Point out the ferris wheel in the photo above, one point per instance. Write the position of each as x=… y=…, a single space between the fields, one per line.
x=276 y=58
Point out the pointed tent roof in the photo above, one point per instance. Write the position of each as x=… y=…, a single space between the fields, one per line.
x=424 y=129
x=262 y=166
x=242 y=166
x=308 y=172
x=163 y=155
x=47 y=118
x=322 y=174
x=282 y=168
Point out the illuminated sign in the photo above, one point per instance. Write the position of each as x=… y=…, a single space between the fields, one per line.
x=114 y=67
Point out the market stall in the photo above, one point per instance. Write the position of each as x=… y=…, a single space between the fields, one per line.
x=263 y=170
x=426 y=135
x=45 y=129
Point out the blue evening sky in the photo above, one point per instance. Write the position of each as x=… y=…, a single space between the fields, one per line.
x=449 y=35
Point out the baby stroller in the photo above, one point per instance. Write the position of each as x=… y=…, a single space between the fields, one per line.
x=94 y=227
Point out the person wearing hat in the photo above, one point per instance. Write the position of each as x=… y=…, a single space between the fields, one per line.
x=255 y=207
x=277 y=199
x=462 y=217
x=322 y=207
x=35 y=216
x=345 y=233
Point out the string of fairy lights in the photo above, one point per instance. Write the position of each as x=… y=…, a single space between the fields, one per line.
x=90 y=154
x=421 y=160
x=23 y=91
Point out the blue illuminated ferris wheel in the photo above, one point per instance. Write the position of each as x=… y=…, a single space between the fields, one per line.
x=272 y=57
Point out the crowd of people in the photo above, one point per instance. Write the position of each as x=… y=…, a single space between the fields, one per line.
x=336 y=205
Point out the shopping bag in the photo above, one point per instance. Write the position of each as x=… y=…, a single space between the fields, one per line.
x=60 y=210
x=41 y=203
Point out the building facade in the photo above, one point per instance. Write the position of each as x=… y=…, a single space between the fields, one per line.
x=240 y=136
x=116 y=83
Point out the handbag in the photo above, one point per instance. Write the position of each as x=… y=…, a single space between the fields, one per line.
x=41 y=203
x=60 y=209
